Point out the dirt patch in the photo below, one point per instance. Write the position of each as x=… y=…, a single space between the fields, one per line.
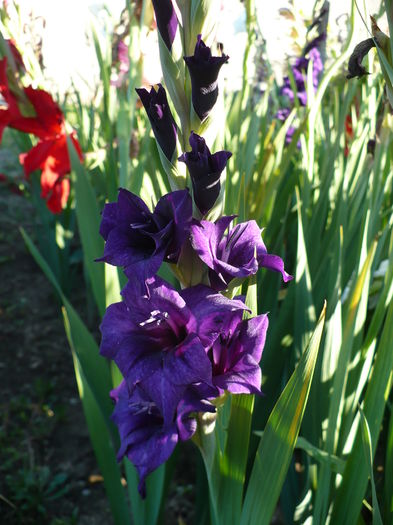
x=46 y=459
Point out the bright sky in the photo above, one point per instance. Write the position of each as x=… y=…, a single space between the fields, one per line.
x=67 y=53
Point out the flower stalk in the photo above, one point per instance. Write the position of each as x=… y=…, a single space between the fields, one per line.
x=182 y=353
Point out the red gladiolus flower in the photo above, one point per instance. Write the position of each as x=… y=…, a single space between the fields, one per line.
x=51 y=156
x=348 y=134
x=51 y=153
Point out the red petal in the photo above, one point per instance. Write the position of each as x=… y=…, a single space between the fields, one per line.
x=36 y=157
x=58 y=199
x=49 y=115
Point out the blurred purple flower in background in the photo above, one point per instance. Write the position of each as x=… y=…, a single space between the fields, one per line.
x=124 y=65
x=204 y=70
x=283 y=114
x=205 y=171
x=299 y=72
x=161 y=119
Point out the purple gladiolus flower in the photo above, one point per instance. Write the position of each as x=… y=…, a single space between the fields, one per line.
x=124 y=65
x=204 y=70
x=146 y=439
x=316 y=43
x=282 y=114
x=299 y=71
x=161 y=119
x=140 y=240
x=166 y=21
x=205 y=170
x=238 y=253
x=159 y=339
x=236 y=354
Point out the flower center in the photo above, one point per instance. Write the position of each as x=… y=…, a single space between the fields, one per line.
x=164 y=329
x=232 y=238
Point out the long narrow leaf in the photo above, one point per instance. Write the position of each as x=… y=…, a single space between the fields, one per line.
x=94 y=367
x=100 y=439
x=88 y=217
x=368 y=451
x=348 y=501
x=279 y=438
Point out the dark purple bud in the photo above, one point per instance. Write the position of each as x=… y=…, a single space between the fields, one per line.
x=315 y=43
x=204 y=70
x=166 y=20
x=205 y=170
x=161 y=119
x=355 y=68
x=371 y=146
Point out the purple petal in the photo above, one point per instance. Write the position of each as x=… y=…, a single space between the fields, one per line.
x=165 y=393
x=174 y=209
x=127 y=247
x=188 y=363
x=206 y=236
x=109 y=219
x=274 y=262
x=253 y=335
x=130 y=207
x=211 y=311
x=191 y=403
x=115 y=327
x=166 y=21
x=237 y=354
x=244 y=378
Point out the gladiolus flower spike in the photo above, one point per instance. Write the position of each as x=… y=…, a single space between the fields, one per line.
x=180 y=350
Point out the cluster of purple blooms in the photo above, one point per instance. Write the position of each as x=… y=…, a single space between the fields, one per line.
x=299 y=72
x=179 y=350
